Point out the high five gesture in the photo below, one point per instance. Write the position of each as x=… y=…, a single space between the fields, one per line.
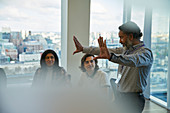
x=104 y=53
x=79 y=47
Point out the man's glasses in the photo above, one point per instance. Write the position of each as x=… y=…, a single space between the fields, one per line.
x=48 y=57
x=91 y=61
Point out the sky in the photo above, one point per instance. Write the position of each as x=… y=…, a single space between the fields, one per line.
x=34 y=15
x=106 y=15
x=45 y=15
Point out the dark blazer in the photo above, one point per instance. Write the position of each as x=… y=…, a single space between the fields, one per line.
x=58 y=78
x=3 y=79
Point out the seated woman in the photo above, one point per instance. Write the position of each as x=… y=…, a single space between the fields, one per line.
x=50 y=73
x=91 y=75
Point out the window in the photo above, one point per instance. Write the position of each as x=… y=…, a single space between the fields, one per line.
x=106 y=17
x=160 y=40
x=138 y=13
x=27 y=29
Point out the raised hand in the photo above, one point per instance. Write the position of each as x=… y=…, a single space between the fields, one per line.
x=104 y=53
x=79 y=47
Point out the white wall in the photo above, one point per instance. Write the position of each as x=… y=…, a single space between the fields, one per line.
x=75 y=21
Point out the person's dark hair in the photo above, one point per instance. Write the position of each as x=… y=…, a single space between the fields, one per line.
x=42 y=60
x=131 y=27
x=83 y=59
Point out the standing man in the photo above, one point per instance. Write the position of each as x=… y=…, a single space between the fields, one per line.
x=135 y=61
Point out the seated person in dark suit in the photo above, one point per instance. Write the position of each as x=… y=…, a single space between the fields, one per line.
x=50 y=73
x=3 y=79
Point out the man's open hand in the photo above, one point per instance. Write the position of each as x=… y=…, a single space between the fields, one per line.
x=104 y=53
x=79 y=47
